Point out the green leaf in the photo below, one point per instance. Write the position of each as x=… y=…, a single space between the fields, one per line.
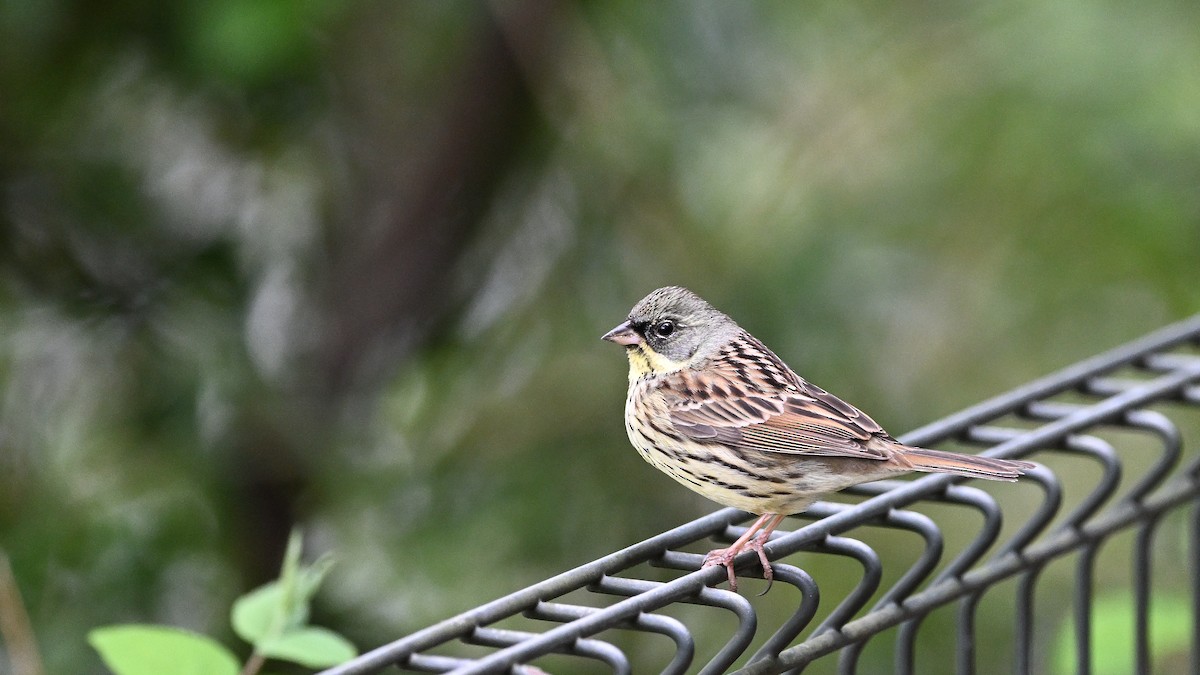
x=160 y=650
x=312 y=647
x=280 y=606
x=258 y=613
x=312 y=576
x=300 y=583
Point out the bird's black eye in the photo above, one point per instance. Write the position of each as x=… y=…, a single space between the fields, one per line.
x=664 y=328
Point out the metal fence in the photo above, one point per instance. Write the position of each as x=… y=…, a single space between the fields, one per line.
x=1107 y=435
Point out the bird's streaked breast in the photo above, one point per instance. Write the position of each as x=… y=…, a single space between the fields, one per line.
x=716 y=471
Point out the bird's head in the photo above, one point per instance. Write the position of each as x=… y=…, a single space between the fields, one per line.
x=671 y=329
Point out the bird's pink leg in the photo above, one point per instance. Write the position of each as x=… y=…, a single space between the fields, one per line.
x=763 y=527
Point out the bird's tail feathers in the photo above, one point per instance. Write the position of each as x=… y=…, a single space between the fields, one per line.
x=972 y=466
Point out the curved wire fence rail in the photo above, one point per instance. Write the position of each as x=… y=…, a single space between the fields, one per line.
x=1108 y=434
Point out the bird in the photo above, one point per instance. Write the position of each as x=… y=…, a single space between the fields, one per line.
x=715 y=409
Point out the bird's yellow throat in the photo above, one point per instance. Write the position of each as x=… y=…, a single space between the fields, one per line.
x=644 y=361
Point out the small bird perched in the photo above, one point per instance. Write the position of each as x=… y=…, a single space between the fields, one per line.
x=713 y=408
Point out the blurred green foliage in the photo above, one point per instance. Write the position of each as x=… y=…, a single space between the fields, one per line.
x=346 y=264
x=1170 y=618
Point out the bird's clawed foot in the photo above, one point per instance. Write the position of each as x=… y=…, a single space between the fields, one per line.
x=725 y=556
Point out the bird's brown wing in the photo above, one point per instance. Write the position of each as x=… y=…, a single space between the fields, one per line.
x=749 y=399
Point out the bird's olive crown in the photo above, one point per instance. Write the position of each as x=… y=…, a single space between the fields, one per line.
x=678 y=324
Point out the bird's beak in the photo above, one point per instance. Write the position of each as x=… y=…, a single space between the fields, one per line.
x=623 y=335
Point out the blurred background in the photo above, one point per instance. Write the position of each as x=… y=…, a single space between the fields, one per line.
x=346 y=265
